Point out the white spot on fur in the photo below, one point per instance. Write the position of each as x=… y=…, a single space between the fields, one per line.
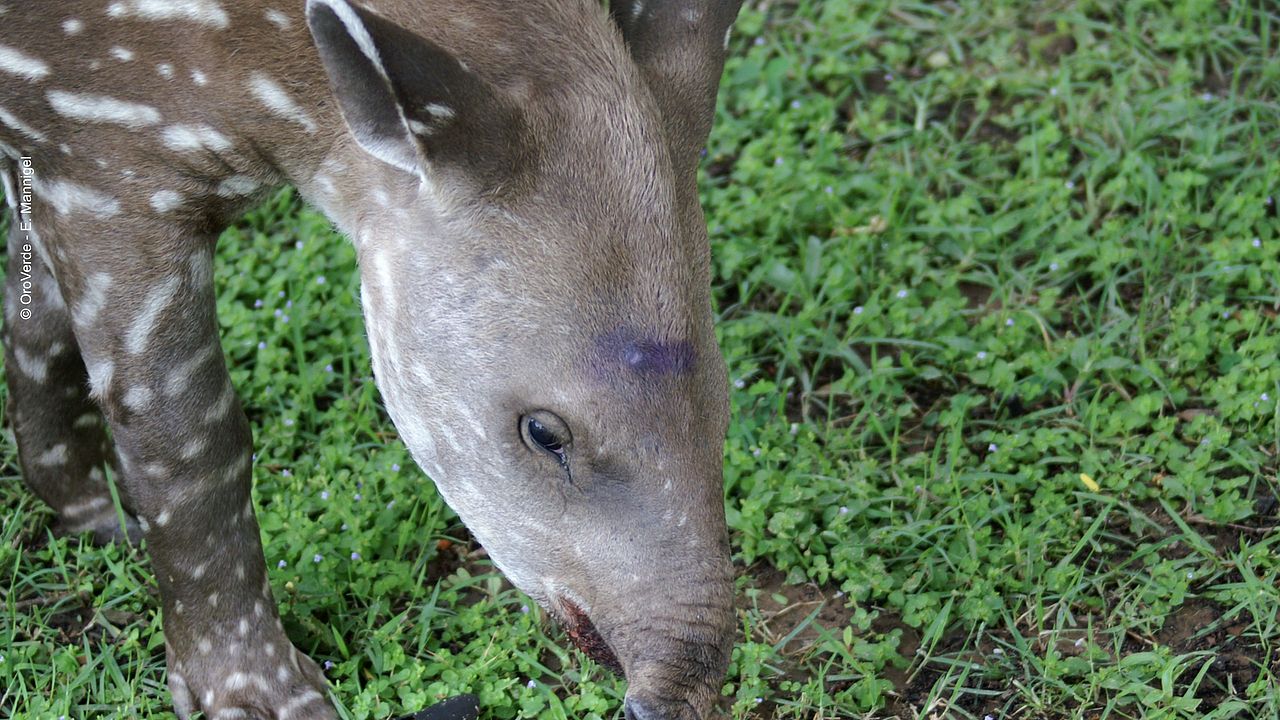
x=86 y=421
x=92 y=299
x=165 y=200
x=184 y=138
x=277 y=18
x=180 y=377
x=16 y=62
x=159 y=297
x=298 y=702
x=84 y=507
x=102 y=109
x=199 y=78
x=204 y=646
x=138 y=398
x=204 y=12
x=56 y=455
x=269 y=93
x=72 y=26
x=163 y=518
x=36 y=368
x=192 y=449
x=237 y=186
x=165 y=70
x=438 y=111
x=222 y=406
x=68 y=197
x=8 y=118
x=122 y=54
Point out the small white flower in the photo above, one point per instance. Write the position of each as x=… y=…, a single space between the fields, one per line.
x=328 y=664
x=1070 y=185
x=992 y=448
x=320 y=280
x=531 y=685
x=1053 y=267
x=902 y=293
x=1265 y=397
x=328 y=368
x=286 y=473
x=997 y=651
x=395 y=467
x=524 y=609
x=257 y=303
x=298 y=245
x=317 y=557
x=281 y=293
x=828 y=190
x=278 y=312
x=982 y=354
x=1008 y=322
x=1257 y=242
x=288 y=422
x=1053 y=91
x=739 y=383
x=324 y=494
x=857 y=310
x=281 y=564
x=758 y=41
x=391 y=504
x=839 y=594
x=795 y=428
x=1226 y=314
x=284 y=319
x=355 y=556
x=1207 y=97
x=759 y=700
x=344 y=526
x=262 y=345
x=359 y=497
x=795 y=104
x=888 y=77
x=1190 y=574
x=844 y=510
x=755 y=452
x=777 y=161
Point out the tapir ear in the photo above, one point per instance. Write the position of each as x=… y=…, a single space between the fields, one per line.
x=409 y=102
x=680 y=47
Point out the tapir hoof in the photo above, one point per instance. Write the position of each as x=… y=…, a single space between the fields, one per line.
x=294 y=690
x=462 y=707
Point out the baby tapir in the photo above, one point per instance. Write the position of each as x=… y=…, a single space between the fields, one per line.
x=519 y=181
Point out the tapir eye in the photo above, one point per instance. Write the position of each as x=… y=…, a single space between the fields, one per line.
x=546 y=432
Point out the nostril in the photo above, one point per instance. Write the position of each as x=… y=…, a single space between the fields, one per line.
x=636 y=709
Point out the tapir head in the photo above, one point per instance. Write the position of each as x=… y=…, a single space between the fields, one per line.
x=535 y=278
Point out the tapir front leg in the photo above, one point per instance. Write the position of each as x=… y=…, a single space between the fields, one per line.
x=148 y=333
x=62 y=443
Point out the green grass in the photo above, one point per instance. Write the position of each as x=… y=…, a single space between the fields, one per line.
x=965 y=253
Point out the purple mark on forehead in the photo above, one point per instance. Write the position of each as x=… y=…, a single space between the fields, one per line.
x=643 y=355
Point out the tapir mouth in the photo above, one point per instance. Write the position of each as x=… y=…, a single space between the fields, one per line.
x=582 y=633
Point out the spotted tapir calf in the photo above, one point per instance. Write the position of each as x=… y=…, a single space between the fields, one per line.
x=519 y=181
